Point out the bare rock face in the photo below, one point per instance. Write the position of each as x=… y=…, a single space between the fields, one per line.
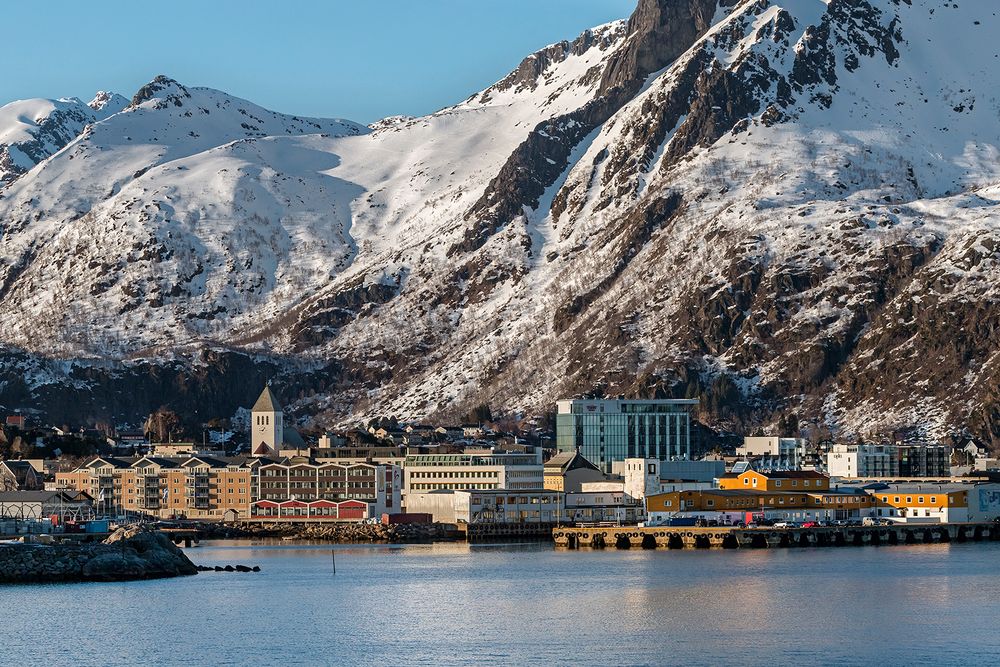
x=658 y=32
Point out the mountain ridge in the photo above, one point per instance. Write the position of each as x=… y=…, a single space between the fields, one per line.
x=741 y=201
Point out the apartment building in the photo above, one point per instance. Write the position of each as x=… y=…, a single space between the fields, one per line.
x=770 y=452
x=194 y=487
x=306 y=488
x=861 y=460
x=236 y=488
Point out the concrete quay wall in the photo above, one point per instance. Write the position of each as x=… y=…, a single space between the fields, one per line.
x=684 y=537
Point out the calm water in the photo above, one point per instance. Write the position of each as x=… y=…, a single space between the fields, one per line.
x=456 y=605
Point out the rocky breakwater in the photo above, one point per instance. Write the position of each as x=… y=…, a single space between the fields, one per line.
x=340 y=532
x=128 y=554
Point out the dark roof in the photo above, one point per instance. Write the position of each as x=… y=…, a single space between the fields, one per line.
x=33 y=496
x=113 y=461
x=566 y=461
x=213 y=461
x=18 y=465
x=266 y=402
x=291 y=437
x=162 y=461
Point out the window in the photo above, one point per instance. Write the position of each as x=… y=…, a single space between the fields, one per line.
x=795 y=482
x=710 y=503
x=933 y=499
x=777 y=483
x=805 y=482
x=746 y=481
x=920 y=500
x=909 y=500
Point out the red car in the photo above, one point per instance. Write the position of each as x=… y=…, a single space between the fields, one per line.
x=810 y=524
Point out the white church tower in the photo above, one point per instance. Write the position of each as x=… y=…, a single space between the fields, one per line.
x=266 y=428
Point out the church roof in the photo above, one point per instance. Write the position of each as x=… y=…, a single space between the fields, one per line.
x=563 y=462
x=266 y=402
x=292 y=438
x=262 y=450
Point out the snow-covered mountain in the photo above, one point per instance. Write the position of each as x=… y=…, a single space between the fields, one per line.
x=781 y=206
x=32 y=130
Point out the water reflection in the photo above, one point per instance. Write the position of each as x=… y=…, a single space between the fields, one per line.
x=447 y=604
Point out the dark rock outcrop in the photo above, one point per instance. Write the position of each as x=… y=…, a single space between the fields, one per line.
x=128 y=554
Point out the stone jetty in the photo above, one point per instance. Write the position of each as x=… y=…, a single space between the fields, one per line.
x=333 y=532
x=127 y=554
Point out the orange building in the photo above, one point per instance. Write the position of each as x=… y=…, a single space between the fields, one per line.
x=779 y=480
x=814 y=505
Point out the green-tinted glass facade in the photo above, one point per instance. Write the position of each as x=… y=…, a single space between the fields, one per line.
x=608 y=431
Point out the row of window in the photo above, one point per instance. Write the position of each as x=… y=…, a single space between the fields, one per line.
x=313 y=485
x=483 y=474
x=777 y=482
x=360 y=471
x=453 y=486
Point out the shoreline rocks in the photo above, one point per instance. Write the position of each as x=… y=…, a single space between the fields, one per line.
x=128 y=554
x=341 y=533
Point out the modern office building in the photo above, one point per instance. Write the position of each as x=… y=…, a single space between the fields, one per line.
x=605 y=431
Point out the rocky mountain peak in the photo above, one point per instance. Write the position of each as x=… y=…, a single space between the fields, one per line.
x=164 y=90
x=107 y=102
x=658 y=32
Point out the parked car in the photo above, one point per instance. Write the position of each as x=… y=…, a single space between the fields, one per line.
x=786 y=524
x=809 y=524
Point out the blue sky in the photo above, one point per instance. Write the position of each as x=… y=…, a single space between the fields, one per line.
x=357 y=59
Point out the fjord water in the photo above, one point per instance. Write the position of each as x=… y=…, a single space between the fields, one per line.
x=451 y=604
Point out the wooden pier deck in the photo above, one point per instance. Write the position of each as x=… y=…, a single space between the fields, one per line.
x=725 y=537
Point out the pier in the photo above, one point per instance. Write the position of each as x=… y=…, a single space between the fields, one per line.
x=725 y=537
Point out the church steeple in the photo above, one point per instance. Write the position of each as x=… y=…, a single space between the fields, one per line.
x=266 y=425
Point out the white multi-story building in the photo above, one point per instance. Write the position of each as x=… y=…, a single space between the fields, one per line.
x=489 y=506
x=775 y=452
x=513 y=471
x=646 y=477
x=861 y=461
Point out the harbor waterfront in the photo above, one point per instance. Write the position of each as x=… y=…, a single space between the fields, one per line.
x=456 y=604
x=729 y=537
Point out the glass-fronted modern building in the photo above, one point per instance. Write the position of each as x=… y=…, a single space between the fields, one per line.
x=604 y=431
